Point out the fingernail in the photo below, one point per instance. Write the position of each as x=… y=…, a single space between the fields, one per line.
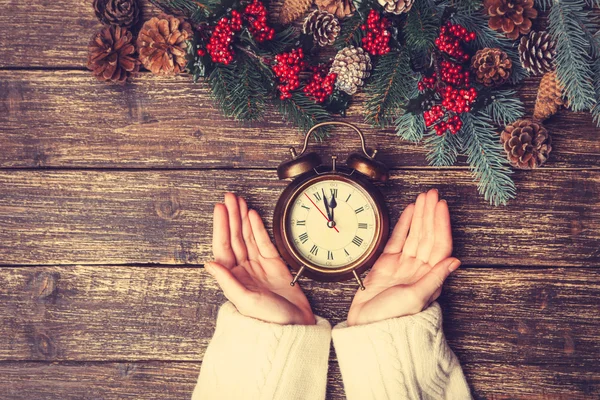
x=443 y=200
x=455 y=264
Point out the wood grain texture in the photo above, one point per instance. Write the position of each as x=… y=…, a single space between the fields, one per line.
x=176 y=381
x=121 y=217
x=99 y=313
x=67 y=119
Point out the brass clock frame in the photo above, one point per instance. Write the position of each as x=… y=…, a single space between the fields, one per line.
x=303 y=266
x=306 y=169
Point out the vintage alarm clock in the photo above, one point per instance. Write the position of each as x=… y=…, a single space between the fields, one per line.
x=331 y=223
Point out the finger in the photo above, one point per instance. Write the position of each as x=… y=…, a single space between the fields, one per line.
x=221 y=240
x=398 y=237
x=235 y=228
x=434 y=279
x=263 y=241
x=412 y=241
x=247 y=230
x=428 y=229
x=232 y=288
x=442 y=246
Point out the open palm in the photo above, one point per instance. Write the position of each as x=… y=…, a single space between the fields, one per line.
x=409 y=274
x=248 y=268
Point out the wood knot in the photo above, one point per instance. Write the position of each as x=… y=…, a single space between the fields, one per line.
x=126 y=370
x=198 y=134
x=45 y=286
x=45 y=345
x=168 y=207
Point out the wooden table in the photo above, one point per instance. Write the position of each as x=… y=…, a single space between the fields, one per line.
x=106 y=196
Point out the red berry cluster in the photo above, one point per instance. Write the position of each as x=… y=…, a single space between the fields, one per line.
x=220 y=43
x=321 y=84
x=287 y=69
x=451 y=82
x=256 y=15
x=450 y=38
x=377 y=38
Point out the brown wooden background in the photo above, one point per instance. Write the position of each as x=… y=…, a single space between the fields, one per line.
x=106 y=196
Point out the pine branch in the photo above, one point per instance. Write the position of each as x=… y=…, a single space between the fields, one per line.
x=505 y=107
x=194 y=10
x=421 y=27
x=573 y=63
x=350 y=33
x=390 y=86
x=596 y=109
x=485 y=155
x=303 y=113
x=442 y=150
x=410 y=126
x=543 y=5
x=477 y=22
x=240 y=89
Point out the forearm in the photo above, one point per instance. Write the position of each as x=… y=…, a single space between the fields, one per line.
x=399 y=358
x=252 y=359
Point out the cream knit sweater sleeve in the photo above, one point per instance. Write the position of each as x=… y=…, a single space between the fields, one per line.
x=399 y=358
x=248 y=359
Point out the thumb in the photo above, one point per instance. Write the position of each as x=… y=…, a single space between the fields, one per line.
x=231 y=286
x=434 y=279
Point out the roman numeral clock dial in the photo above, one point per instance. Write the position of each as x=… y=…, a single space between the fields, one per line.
x=331 y=223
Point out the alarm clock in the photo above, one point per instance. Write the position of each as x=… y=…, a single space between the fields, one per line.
x=331 y=223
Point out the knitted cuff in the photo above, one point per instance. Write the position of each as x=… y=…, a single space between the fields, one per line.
x=404 y=357
x=252 y=359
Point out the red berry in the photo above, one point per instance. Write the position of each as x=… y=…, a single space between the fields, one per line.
x=377 y=36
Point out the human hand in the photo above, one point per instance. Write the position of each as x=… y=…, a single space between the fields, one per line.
x=409 y=274
x=248 y=268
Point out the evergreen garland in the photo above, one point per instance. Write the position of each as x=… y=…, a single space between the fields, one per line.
x=410 y=126
x=485 y=156
x=568 y=22
x=505 y=107
x=393 y=81
x=443 y=150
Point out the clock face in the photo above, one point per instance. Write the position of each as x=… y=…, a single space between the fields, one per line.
x=332 y=223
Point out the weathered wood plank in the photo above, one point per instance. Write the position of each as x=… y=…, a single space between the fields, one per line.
x=165 y=380
x=121 y=217
x=67 y=119
x=98 y=313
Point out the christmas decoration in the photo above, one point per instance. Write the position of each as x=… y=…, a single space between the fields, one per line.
x=117 y=12
x=293 y=9
x=162 y=44
x=396 y=6
x=321 y=84
x=323 y=26
x=339 y=8
x=537 y=51
x=512 y=17
x=527 y=144
x=351 y=66
x=377 y=38
x=440 y=72
x=492 y=67
x=549 y=97
x=111 y=55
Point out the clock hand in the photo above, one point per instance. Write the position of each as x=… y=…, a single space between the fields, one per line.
x=332 y=205
x=329 y=217
x=323 y=214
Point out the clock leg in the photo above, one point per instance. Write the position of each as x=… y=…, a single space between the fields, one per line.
x=293 y=282
x=360 y=283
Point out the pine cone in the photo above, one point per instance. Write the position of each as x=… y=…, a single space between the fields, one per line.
x=110 y=56
x=512 y=17
x=549 y=97
x=537 y=51
x=291 y=10
x=491 y=66
x=324 y=27
x=117 y=12
x=396 y=6
x=352 y=66
x=162 y=44
x=339 y=8
x=527 y=144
